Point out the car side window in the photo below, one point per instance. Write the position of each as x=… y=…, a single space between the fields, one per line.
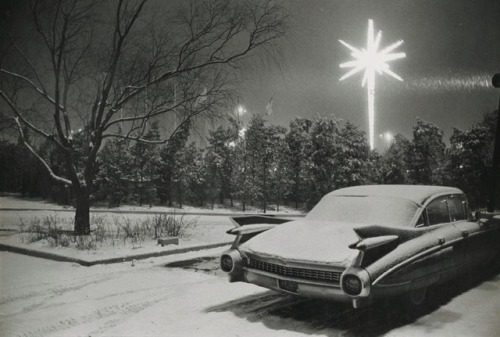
x=437 y=211
x=457 y=207
x=421 y=220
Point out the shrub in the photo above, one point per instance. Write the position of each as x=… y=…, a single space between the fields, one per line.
x=166 y=225
x=55 y=232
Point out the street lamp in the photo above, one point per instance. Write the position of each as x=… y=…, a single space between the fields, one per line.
x=240 y=110
x=387 y=138
x=496 y=155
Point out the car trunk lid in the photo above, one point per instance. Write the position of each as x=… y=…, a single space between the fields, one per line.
x=306 y=241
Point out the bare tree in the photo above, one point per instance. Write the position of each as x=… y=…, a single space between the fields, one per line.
x=95 y=66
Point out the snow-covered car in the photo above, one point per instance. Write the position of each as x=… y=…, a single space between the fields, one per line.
x=365 y=243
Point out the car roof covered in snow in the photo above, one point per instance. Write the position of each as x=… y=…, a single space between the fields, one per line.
x=416 y=193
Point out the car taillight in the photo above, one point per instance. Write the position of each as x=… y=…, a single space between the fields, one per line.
x=226 y=263
x=351 y=285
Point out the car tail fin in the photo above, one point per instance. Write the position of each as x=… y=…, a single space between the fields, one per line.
x=251 y=225
x=250 y=229
x=404 y=234
x=257 y=219
x=376 y=241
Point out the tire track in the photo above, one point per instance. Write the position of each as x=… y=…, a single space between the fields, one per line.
x=58 y=290
x=115 y=313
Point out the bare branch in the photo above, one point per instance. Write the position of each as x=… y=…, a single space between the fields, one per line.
x=26 y=122
x=47 y=167
x=42 y=92
x=30 y=64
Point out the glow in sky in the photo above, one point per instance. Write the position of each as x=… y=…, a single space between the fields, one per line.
x=372 y=61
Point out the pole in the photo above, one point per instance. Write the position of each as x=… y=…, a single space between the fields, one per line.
x=495 y=166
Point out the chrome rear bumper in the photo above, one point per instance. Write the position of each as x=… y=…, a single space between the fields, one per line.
x=304 y=288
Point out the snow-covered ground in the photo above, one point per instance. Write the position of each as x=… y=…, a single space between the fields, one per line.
x=207 y=227
x=164 y=297
x=187 y=295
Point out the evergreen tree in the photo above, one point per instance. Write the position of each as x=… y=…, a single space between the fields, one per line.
x=426 y=155
x=393 y=168
x=241 y=182
x=280 y=171
x=115 y=177
x=195 y=175
x=354 y=166
x=298 y=141
x=145 y=158
x=267 y=175
x=325 y=144
x=220 y=154
x=167 y=167
x=254 y=147
x=469 y=157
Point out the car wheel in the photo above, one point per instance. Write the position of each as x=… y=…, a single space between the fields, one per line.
x=417 y=297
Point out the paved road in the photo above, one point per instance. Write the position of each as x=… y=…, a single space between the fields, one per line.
x=168 y=297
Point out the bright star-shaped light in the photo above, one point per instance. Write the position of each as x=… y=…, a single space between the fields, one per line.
x=371 y=60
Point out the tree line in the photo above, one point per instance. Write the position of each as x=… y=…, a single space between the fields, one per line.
x=260 y=165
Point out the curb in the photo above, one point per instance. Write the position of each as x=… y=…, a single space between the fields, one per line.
x=85 y=263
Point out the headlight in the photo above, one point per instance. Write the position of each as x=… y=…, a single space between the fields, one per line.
x=226 y=263
x=351 y=284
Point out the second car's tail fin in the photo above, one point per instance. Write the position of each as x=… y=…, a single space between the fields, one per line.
x=371 y=231
x=376 y=241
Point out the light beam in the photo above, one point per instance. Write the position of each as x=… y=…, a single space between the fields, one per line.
x=371 y=60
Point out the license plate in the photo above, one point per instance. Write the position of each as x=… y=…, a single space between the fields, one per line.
x=288 y=285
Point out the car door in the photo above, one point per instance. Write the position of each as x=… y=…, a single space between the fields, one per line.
x=477 y=243
x=438 y=215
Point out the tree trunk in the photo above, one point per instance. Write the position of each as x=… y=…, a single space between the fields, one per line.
x=82 y=215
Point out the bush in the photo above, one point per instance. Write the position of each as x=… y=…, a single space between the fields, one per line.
x=55 y=231
x=166 y=225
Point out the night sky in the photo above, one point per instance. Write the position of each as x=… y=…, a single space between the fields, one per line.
x=452 y=48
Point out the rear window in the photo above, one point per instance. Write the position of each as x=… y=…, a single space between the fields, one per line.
x=369 y=210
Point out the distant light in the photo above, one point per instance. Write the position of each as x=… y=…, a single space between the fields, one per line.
x=232 y=144
x=387 y=136
x=371 y=60
x=240 y=110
